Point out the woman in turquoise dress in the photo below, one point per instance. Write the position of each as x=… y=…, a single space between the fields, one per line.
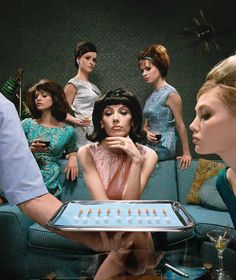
x=163 y=108
x=48 y=107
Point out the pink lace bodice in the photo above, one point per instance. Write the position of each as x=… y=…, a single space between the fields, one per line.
x=113 y=169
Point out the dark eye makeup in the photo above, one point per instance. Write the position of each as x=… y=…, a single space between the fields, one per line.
x=107 y=113
x=93 y=59
x=205 y=116
x=124 y=112
x=43 y=95
x=204 y=113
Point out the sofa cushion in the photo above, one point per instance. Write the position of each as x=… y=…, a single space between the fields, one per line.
x=210 y=197
x=157 y=188
x=185 y=179
x=162 y=182
x=208 y=216
x=170 y=240
x=73 y=190
x=205 y=169
x=202 y=229
x=13 y=242
x=42 y=238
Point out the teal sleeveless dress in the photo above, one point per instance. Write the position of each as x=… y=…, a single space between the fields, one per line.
x=227 y=194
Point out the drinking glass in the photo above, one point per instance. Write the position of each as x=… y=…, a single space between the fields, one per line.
x=220 y=239
x=157 y=134
x=45 y=139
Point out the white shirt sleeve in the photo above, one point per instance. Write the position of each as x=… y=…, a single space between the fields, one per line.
x=20 y=176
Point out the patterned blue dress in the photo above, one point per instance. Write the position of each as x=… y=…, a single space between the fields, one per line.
x=62 y=139
x=161 y=118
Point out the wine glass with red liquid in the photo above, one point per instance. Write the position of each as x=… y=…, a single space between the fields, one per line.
x=157 y=134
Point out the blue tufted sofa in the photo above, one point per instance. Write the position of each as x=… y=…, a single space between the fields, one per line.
x=29 y=251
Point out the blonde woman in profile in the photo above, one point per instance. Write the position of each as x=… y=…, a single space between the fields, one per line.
x=214 y=127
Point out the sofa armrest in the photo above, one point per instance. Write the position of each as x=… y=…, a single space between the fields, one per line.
x=14 y=225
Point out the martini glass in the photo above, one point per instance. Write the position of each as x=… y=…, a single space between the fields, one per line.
x=220 y=239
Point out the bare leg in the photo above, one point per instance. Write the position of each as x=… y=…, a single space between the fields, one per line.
x=115 y=264
x=132 y=254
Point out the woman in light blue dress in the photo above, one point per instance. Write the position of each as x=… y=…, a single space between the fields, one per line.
x=163 y=108
x=81 y=93
x=49 y=137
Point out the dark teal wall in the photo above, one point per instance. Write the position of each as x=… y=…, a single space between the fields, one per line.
x=40 y=35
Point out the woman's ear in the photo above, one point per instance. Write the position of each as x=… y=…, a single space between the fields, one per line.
x=102 y=124
x=77 y=61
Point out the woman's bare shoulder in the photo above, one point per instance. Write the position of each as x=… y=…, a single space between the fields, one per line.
x=83 y=151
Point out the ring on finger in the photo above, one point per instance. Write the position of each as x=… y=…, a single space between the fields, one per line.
x=122 y=143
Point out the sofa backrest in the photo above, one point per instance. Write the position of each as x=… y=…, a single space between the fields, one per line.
x=162 y=184
x=73 y=190
x=184 y=180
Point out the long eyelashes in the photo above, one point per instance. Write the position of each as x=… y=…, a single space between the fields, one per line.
x=124 y=113
x=93 y=59
x=205 y=116
x=147 y=69
x=43 y=96
x=107 y=114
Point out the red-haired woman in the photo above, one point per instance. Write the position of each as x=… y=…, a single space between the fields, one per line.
x=163 y=108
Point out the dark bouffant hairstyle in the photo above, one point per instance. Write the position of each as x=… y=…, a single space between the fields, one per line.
x=82 y=48
x=60 y=106
x=114 y=97
x=156 y=54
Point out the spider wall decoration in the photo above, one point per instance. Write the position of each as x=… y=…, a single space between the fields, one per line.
x=203 y=33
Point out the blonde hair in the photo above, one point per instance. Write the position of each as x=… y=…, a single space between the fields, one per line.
x=224 y=72
x=223 y=77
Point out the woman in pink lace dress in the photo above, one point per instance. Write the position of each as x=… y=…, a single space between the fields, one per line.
x=115 y=166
